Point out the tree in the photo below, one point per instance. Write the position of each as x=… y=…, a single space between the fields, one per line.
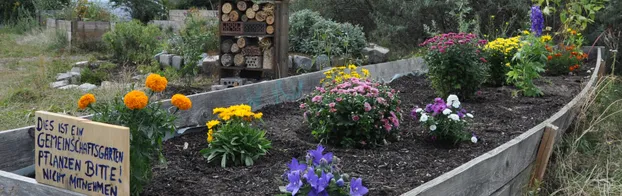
x=143 y=10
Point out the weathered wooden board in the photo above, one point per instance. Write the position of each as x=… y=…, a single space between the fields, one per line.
x=17 y=147
x=488 y=173
x=516 y=186
x=13 y=184
x=81 y=155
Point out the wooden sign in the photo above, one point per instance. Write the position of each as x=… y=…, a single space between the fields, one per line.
x=81 y=155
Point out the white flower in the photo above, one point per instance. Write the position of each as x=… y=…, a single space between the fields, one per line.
x=469 y=115
x=588 y=71
x=447 y=111
x=419 y=110
x=454 y=117
x=453 y=100
x=433 y=127
x=474 y=139
x=424 y=117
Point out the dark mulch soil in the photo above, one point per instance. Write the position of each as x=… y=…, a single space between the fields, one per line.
x=390 y=170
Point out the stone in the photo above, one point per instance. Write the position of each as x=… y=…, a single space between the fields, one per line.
x=76 y=70
x=87 y=87
x=59 y=84
x=71 y=86
x=165 y=59
x=157 y=56
x=304 y=63
x=81 y=64
x=322 y=61
x=376 y=54
x=177 y=62
x=210 y=63
x=218 y=87
x=336 y=62
x=290 y=62
x=63 y=76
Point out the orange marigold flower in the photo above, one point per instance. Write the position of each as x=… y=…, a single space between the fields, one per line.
x=135 y=100
x=558 y=54
x=156 y=82
x=574 y=53
x=569 y=48
x=182 y=102
x=573 y=32
x=549 y=57
x=585 y=55
x=86 y=100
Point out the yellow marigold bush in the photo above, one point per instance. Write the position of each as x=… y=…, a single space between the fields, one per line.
x=181 y=101
x=86 y=100
x=156 y=83
x=235 y=140
x=342 y=73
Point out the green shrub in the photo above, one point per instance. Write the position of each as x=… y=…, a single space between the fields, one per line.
x=312 y=34
x=530 y=60
x=133 y=42
x=499 y=54
x=455 y=63
x=353 y=112
x=199 y=36
x=98 y=75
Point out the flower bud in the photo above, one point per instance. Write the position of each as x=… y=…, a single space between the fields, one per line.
x=340 y=182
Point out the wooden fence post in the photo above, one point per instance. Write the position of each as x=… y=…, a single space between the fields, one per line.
x=544 y=153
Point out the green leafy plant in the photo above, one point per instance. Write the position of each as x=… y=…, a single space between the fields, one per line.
x=133 y=42
x=199 y=36
x=530 y=60
x=456 y=64
x=563 y=59
x=574 y=14
x=446 y=121
x=312 y=34
x=148 y=124
x=352 y=112
x=235 y=141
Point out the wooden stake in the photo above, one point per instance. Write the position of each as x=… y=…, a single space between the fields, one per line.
x=250 y=13
x=270 y=20
x=234 y=16
x=255 y=7
x=239 y=60
x=241 y=42
x=602 y=70
x=226 y=60
x=242 y=5
x=544 y=153
x=225 y=46
x=235 y=48
x=261 y=16
x=225 y=18
x=270 y=29
x=226 y=8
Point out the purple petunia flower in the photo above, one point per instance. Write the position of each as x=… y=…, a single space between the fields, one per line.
x=357 y=188
x=428 y=108
x=294 y=182
x=317 y=154
x=294 y=166
x=537 y=21
x=340 y=182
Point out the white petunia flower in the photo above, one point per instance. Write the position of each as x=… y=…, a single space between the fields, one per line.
x=424 y=117
x=454 y=117
x=447 y=111
x=474 y=139
x=451 y=101
x=469 y=115
x=433 y=127
x=456 y=104
x=419 y=110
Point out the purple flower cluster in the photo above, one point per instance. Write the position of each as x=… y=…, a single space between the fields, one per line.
x=442 y=42
x=537 y=21
x=318 y=175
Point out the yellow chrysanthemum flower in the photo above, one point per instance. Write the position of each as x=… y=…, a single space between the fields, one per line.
x=258 y=115
x=525 y=32
x=546 y=38
x=210 y=136
x=135 y=100
x=212 y=123
x=156 y=82
x=86 y=100
x=182 y=102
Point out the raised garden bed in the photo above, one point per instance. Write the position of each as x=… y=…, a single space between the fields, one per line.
x=390 y=170
x=386 y=171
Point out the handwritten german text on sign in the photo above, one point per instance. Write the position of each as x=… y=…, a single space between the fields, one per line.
x=81 y=155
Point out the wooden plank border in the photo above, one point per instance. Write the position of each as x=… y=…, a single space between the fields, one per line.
x=491 y=172
x=13 y=184
x=17 y=145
